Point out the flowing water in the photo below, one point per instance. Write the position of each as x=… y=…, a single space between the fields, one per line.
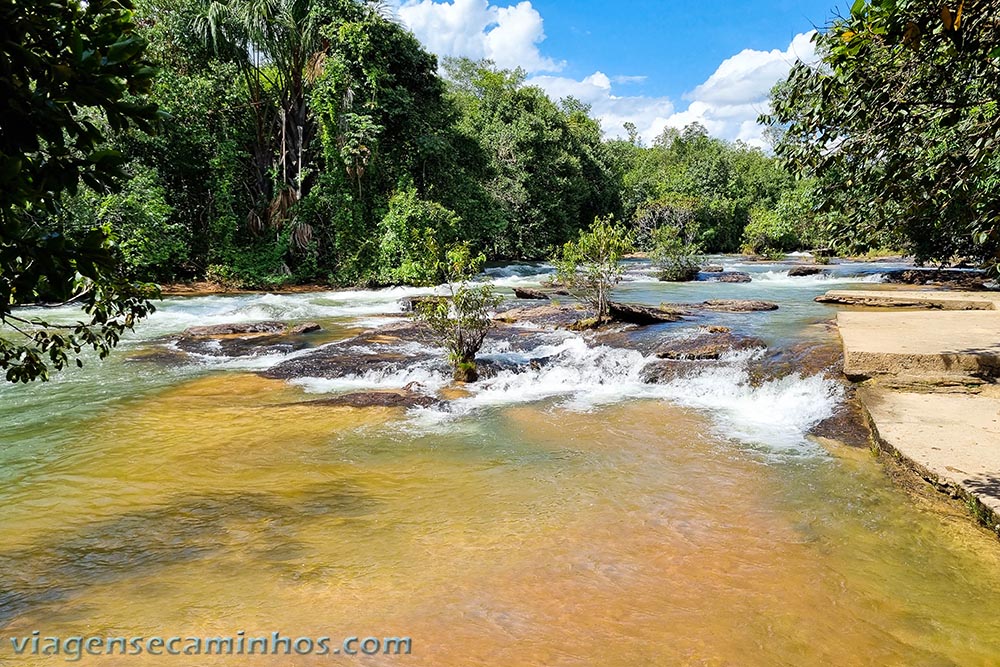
x=571 y=515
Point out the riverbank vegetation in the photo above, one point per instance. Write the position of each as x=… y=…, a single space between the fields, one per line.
x=898 y=124
x=317 y=141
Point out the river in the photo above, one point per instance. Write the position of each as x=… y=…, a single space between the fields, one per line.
x=573 y=515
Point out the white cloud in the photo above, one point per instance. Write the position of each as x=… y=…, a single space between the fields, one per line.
x=727 y=104
x=648 y=113
x=508 y=35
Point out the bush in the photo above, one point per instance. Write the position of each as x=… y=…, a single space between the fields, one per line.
x=150 y=242
x=676 y=254
x=767 y=233
x=412 y=237
x=463 y=319
x=591 y=265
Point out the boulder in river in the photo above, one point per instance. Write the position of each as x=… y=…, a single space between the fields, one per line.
x=722 y=306
x=530 y=294
x=245 y=338
x=954 y=278
x=803 y=271
x=737 y=305
x=236 y=329
x=730 y=277
x=668 y=370
x=635 y=314
x=713 y=268
x=564 y=317
x=707 y=346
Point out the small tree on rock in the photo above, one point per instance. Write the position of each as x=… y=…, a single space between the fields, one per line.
x=463 y=318
x=591 y=266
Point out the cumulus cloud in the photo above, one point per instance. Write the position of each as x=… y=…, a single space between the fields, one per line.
x=649 y=114
x=507 y=35
x=727 y=104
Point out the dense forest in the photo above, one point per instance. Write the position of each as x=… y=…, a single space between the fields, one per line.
x=316 y=141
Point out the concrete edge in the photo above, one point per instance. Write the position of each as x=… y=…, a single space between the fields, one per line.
x=981 y=513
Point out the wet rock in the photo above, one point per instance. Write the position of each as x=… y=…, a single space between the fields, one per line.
x=555 y=316
x=239 y=328
x=376 y=399
x=411 y=304
x=635 y=314
x=530 y=294
x=245 y=339
x=803 y=271
x=383 y=350
x=804 y=358
x=300 y=329
x=737 y=305
x=663 y=372
x=848 y=425
x=161 y=356
x=730 y=277
x=967 y=280
x=686 y=276
x=713 y=268
x=705 y=346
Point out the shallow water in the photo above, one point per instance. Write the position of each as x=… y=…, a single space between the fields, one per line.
x=571 y=516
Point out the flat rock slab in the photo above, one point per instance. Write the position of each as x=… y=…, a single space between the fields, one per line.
x=953 y=344
x=953 y=439
x=926 y=299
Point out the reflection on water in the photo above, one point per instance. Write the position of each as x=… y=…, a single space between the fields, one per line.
x=642 y=530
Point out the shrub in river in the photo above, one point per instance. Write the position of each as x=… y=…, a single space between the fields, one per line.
x=590 y=267
x=676 y=254
x=462 y=319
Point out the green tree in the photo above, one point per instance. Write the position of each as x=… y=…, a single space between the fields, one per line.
x=65 y=68
x=463 y=319
x=591 y=266
x=414 y=234
x=899 y=124
x=549 y=173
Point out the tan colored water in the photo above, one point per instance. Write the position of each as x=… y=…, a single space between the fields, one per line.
x=629 y=535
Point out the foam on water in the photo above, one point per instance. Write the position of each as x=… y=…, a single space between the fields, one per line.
x=775 y=414
x=779 y=278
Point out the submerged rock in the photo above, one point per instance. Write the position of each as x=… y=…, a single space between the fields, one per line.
x=530 y=294
x=707 y=346
x=376 y=399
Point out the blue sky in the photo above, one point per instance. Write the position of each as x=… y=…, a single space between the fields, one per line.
x=656 y=64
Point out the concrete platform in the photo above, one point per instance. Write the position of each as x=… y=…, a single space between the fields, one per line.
x=942 y=346
x=953 y=440
x=925 y=299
